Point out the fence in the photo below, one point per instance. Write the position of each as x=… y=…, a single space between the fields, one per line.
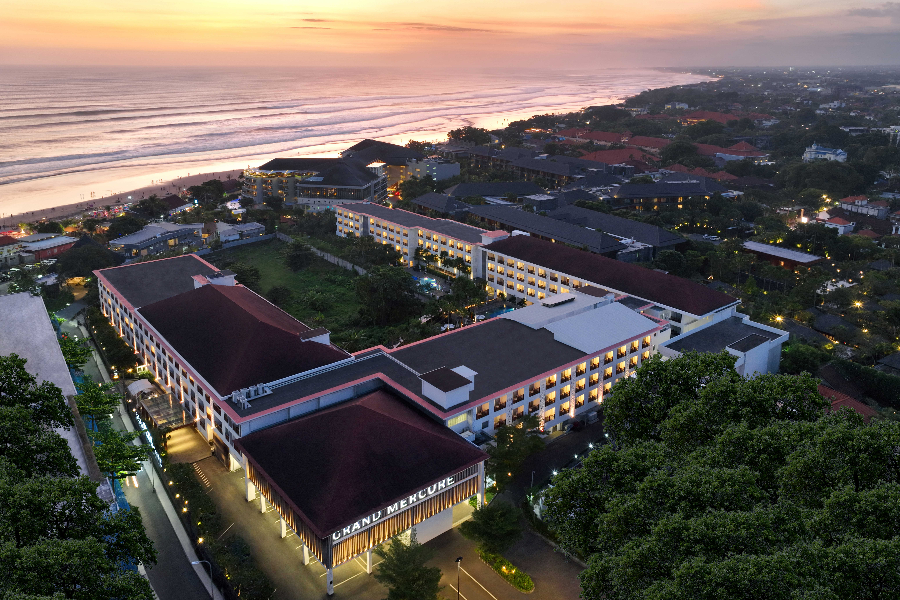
x=345 y=264
x=227 y=245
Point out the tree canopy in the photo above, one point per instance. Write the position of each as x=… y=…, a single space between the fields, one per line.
x=724 y=487
x=124 y=225
x=402 y=570
x=515 y=443
x=387 y=295
x=84 y=260
x=475 y=135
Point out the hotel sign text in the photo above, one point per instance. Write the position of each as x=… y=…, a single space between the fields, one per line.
x=431 y=490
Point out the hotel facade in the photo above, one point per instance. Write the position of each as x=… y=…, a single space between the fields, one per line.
x=249 y=377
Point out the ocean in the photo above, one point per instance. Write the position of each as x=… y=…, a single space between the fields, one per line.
x=69 y=135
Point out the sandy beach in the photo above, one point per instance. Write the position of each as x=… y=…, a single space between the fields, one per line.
x=160 y=188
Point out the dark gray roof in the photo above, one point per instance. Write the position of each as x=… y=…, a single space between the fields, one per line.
x=732 y=332
x=332 y=171
x=695 y=186
x=371 y=150
x=445 y=379
x=466 y=233
x=594 y=180
x=494 y=188
x=827 y=323
x=440 y=203
x=487 y=349
x=891 y=360
x=546 y=166
x=546 y=227
x=617 y=226
x=148 y=282
x=573 y=196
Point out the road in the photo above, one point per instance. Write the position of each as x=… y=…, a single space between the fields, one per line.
x=172 y=577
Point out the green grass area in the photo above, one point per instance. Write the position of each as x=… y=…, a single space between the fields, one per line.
x=323 y=294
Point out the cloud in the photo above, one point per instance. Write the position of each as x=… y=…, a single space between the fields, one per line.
x=446 y=28
x=295 y=27
x=317 y=20
x=888 y=9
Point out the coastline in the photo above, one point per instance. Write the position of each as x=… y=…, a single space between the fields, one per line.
x=65 y=192
x=161 y=189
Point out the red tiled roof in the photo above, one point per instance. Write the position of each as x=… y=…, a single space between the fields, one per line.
x=744 y=146
x=235 y=338
x=337 y=465
x=5 y=240
x=839 y=401
x=708 y=115
x=852 y=198
x=868 y=233
x=653 y=286
x=701 y=172
x=605 y=136
x=643 y=141
x=573 y=132
x=879 y=203
x=838 y=221
x=654 y=117
x=614 y=157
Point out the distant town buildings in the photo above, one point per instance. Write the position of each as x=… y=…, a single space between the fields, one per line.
x=861 y=204
x=817 y=152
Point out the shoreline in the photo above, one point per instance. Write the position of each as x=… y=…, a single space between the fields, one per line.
x=60 y=195
x=160 y=188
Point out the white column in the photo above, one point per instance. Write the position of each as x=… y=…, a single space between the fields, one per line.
x=262 y=503
x=369 y=561
x=283 y=528
x=480 y=484
x=251 y=489
x=329 y=579
x=305 y=554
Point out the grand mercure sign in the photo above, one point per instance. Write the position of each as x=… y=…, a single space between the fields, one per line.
x=398 y=506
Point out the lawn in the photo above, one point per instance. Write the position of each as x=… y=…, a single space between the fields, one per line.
x=323 y=294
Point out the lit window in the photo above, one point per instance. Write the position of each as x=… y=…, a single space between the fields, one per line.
x=460 y=418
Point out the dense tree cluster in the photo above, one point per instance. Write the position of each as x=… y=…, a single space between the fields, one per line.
x=723 y=487
x=58 y=539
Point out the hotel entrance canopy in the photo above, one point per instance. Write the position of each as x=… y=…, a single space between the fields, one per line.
x=353 y=475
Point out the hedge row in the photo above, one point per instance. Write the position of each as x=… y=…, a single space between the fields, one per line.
x=516 y=577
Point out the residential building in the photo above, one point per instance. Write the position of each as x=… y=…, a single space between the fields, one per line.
x=157 y=238
x=316 y=183
x=817 y=152
x=438 y=169
x=782 y=257
x=843 y=226
x=408 y=232
x=668 y=191
x=399 y=163
x=9 y=250
x=441 y=204
x=42 y=249
x=494 y=190
x=756 y=347
x=677 y=106
x=533 y=269
x=515 y=220
x=627 y=231
x=176 y=204
x=861 y=205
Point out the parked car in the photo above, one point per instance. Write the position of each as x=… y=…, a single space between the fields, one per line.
x=576 y=425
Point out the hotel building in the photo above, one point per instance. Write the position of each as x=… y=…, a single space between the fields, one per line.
x=261 y=386
x=407 y=231
x=316 y=183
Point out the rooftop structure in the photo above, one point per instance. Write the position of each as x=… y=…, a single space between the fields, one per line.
x=158 y=237
x=623 y=278
x=494 y=189
x=256 y=342
x=25 y=330
x=782 y=257
x=441 y=203
x=757 y=347
x=455 y=229
x=817 y=152
x=618 y=227
x=512 y=219
x=144 y=283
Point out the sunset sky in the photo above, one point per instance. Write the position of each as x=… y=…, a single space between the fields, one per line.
x=442 y=33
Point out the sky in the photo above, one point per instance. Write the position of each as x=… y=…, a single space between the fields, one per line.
x=451 y=33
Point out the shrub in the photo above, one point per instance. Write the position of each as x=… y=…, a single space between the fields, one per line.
x=516 y=577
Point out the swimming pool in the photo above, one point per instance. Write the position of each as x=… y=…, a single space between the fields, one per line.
x=497 y=312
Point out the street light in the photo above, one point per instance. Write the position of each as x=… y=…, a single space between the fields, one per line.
x=197 y=562
x=458 y=561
